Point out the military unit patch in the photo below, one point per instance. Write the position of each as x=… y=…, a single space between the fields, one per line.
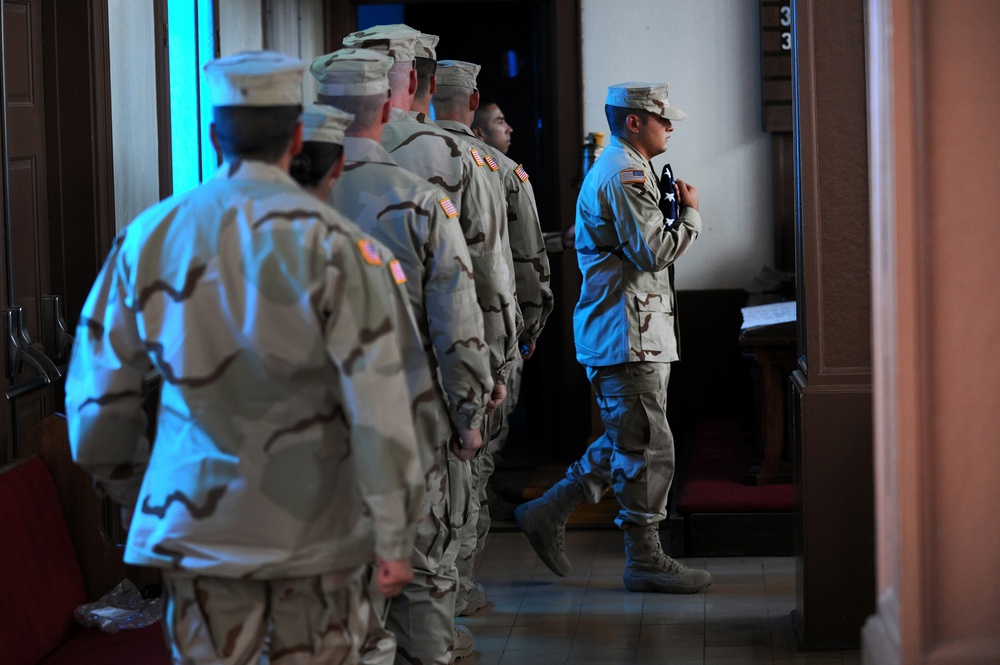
x=493 y=165
x=475 y=156
x=628 y=176
x=449 y=208
x=521 y=173
x=397 y=271
x=369 y=252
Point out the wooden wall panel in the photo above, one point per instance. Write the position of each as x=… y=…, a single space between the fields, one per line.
x=832 y=442
x=937 y=406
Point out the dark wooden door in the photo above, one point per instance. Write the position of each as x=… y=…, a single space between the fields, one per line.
x=56 y=192
x=26 y=232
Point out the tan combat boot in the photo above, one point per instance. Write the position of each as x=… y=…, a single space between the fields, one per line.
x=463 y=644
x=543 y=521
x=649 y=569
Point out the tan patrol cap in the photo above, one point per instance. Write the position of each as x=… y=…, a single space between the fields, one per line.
x=325 y=124
x=255 y=78
x=426 y=45
x=457 y=73
x=650 y=97
x=351 y=72
x=396 y=40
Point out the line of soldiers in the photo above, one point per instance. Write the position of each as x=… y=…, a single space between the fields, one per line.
x=335 y=349
x=449 y=207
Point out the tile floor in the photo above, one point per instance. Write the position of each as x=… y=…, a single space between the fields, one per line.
x=589 y=617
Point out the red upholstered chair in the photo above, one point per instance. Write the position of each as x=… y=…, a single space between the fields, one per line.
x=41 y=584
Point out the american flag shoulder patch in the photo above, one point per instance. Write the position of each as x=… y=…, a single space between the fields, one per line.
x=397 y=271
x=628 y=176
x=493 y=164
x=521 y=173
x=449 y=208
x=369 y=252
x=476 y=156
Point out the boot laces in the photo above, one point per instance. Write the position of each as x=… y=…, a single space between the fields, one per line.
x=561 y=539
x=660 y=558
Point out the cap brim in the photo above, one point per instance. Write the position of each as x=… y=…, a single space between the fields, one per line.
x=673 y=113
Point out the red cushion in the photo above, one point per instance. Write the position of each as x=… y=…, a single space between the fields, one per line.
x=40 y=580
x=714 y=479
x=91 y=646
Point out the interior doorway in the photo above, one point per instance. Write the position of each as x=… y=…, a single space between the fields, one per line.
x=530 y=67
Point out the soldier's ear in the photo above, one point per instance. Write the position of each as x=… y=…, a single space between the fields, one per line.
x=633 y=123
x=413 y=82
x=433 y=86
x=215 y=142
x=337 y=169
x=295 y=147
x=474 y=100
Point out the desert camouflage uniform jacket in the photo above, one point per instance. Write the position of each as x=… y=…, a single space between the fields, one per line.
x=417 y=223
x=285 y=443
x=527 y=246
x=420 y=146
x=626 y=249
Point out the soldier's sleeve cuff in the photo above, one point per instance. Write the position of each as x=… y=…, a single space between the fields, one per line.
x=553 y=242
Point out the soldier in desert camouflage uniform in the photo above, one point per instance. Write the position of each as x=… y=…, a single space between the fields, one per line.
x=455 y=102
x=529 y=249
x=628 y=236
x=442 y=157
x=321 y=160
x=285 y=457
x=527 y=244
x=416 y=221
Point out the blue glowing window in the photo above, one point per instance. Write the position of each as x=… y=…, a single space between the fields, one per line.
x=191 y=43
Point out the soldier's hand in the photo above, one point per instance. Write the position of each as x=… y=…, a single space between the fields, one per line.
x=568 y=237
x=497 y=397
x=688 y=194
x=392 y=576
x=125 y=515
x=469 y=441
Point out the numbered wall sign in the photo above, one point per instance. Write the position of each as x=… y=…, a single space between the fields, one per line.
x=777 y=38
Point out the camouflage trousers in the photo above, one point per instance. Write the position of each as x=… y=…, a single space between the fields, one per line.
x=499 y=438
x=296 y=621
x=635 y=455
x=472 y=536
x=419 y=624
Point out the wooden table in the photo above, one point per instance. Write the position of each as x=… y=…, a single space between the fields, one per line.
x=775 y=350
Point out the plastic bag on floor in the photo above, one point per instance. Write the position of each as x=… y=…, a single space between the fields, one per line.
x=122 y=608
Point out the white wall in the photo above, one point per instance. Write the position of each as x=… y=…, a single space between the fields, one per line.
x=133 y=108
x=708 y=51
x=240 y=27
x=296 y=28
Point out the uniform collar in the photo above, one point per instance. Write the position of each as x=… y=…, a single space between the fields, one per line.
x=251 y=169
x=396 y=114
x=455 y=126
x=358 y=149
x=629 y=148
